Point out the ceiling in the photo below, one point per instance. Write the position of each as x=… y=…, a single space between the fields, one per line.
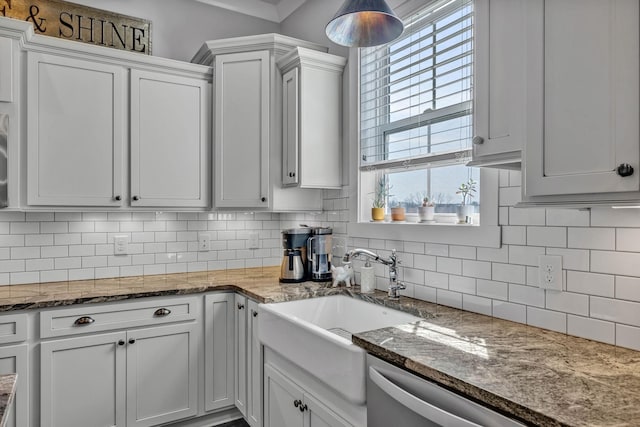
x=271 y=10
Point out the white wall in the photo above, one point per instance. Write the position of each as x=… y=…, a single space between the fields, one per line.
x=180 y=27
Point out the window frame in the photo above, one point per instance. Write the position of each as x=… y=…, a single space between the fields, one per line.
x=486 y=234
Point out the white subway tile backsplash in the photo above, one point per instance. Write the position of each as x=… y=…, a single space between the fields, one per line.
x=627 y=288
x=622 y=263
x=526 y=216
x=25 y=252
x=39 y=264
x=38 y=240
x=82 y=274
x=477 y=304
x=448 y=298
x=547 y=319
x=547 y=236
x=478 y=269
x=412 y=247
x=525 y=255
x=449 y=265
x=628 y=336
x=509 y=196
x=627 y=239
x=514 y=235
x=24 y=228
x=494 y=255
x=436 y=280
x=592 y=329
x=425 y=293
x=466 y=285
x=74 y=227
x=54 y=276
x=425 y=262
x=10 y=240
x=592 y=238
x=568 y=217
x=67 y=239
x=607 y=217
x=436 y=249
x=615 y=310
x=466 y=252
x=24 y=277
x=572 y=259
x=508 y=273
x=567 y=302
x=527 y=295
x=590 y=283
x=62 y=227
x=491 y=289
x=509 y=311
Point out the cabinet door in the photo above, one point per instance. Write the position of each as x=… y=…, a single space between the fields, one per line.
x=162 y=374
x=82 y=381
x=290 y=127
x=242 y=89
x=254 y=368
x=499 y=71
x=169 y=140
x=583 y=102
x=6 y=69
x=219 y=344
x=240 y=323
x=15 y=360
x=318 y=415
x=75 y=133
x=282 y=400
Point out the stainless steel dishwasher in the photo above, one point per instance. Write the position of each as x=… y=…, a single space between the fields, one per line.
x=397 y=398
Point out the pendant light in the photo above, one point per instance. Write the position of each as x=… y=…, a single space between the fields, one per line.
x=364 y=23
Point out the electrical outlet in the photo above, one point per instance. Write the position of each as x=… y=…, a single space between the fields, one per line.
x=253 y=242
x=550 y=272
x=121 y=245
x=203 y=241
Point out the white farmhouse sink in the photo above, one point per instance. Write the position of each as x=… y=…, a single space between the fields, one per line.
x=315 y=335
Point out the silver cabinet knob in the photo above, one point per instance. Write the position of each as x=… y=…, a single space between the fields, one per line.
x=477 y=140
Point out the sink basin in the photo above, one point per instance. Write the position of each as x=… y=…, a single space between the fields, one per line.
x=316 y=333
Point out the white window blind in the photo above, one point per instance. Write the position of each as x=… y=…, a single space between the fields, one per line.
x=416 y=93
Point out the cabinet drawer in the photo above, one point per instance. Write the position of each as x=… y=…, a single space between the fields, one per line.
x=88 y=319
x=13 y=328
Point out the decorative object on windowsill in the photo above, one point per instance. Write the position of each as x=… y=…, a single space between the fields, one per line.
x=364 y=23
x=344 y=274
x=367 y=278
x=398 y=214
x=380 y=196
x=465 y=211
x=426 y=212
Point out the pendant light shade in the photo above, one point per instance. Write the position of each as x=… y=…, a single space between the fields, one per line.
x=364 y=23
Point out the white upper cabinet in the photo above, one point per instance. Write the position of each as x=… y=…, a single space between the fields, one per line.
x=242 y=129
x=170 y=161
x=312 y=119
x=75 y=132
x=583 y=102
x=248 y=172
x=499 y=86
x=6 y=70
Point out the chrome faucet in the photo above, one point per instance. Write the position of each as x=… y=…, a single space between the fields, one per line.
x=392 y=262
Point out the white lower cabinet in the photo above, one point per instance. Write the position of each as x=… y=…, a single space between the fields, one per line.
x=14 y=360
x=219 y=340
x=140 y=377
x=286 y=404
x=248 y=361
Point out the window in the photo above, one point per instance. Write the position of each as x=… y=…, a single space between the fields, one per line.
x=416 y=112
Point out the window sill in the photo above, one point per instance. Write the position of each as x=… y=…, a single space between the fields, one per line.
x=451 y=234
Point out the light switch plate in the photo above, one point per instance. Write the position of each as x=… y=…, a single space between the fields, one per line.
x=550 y=272
x=121 y=245
x=253 y=241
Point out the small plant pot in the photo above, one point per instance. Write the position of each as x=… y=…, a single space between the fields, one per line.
x=397 y=214
x=464 y=211
x=426 y=213
x=377 y=214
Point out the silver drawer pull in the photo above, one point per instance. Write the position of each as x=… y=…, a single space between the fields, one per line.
x=162 y=312
x=84 y=320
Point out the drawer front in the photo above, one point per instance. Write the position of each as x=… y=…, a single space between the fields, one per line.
x=13 y=328
x=98 y=318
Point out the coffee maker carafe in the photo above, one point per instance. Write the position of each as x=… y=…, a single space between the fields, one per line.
x=319 y=253
x=294 y=244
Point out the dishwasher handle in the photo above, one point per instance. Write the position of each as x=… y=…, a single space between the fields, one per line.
x=417 y=405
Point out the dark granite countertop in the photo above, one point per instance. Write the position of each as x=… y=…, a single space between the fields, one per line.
x=7 y=392
x=541 y=377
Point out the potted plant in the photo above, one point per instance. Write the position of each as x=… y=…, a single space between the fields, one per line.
x=426 y=212
x=380 y=199
x=398 y=213
x=465 y=210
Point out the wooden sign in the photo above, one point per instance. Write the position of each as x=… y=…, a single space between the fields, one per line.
x=57 y=18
